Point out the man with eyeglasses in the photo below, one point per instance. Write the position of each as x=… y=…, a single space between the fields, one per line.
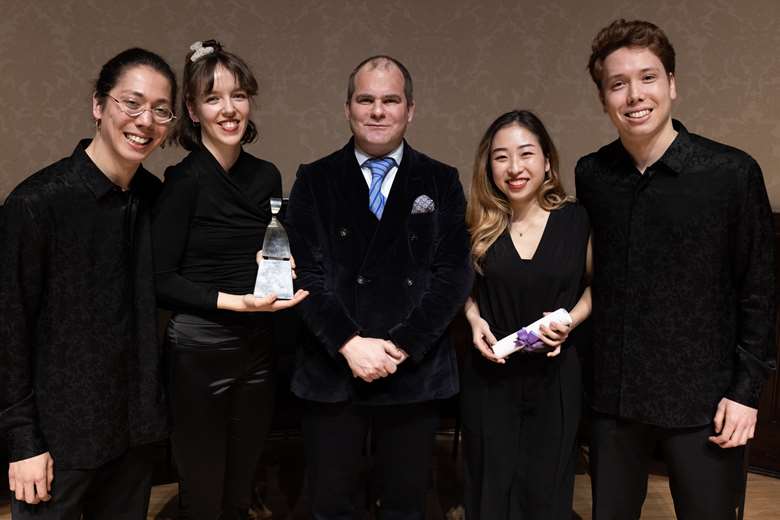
x=81 y=401
x=161 y=114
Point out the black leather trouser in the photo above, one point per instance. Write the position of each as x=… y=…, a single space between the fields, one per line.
x=221 y=390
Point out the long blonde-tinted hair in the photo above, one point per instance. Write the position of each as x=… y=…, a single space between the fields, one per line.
x=489 y=213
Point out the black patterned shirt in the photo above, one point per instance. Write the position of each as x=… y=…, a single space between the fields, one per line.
x=79 y=358
x=683 y=287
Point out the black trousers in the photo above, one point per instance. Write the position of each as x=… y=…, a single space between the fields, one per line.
x=519 y=437
x=402 y=439
x=704 y=479
x=117 y=490
x=221 y=391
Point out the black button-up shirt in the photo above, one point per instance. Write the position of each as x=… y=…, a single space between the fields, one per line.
x=79 y=358
x=683 y=287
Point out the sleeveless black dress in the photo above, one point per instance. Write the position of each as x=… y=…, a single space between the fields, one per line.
x=520 y=419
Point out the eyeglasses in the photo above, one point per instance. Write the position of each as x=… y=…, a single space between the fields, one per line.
x=161 y=114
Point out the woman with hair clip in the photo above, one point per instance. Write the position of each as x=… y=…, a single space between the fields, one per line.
x=209 y=225
x=530 y=248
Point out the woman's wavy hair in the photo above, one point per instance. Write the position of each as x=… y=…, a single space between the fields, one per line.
x=198 y=79
x=489 y=213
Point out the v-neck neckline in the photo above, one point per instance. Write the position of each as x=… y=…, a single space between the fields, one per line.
x=538 y=245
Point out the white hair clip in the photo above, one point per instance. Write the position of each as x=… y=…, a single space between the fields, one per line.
x=199 y=51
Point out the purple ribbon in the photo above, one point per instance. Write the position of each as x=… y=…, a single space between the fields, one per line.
x=527 y=341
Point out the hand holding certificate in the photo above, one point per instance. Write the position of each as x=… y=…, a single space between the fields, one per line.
x=528 y=339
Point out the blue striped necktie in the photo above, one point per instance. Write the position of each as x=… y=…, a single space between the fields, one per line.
x=379 y=167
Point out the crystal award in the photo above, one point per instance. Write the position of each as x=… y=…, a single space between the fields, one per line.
x=274 y=273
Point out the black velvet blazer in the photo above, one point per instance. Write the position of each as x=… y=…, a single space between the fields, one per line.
x=402 y=278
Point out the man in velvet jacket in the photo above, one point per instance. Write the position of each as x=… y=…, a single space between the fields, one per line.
x=378 y=233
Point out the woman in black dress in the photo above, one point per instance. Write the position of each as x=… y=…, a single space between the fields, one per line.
x=530 y=248
x=209 y=225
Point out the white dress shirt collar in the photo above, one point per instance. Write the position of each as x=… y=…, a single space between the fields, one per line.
x=396 y=154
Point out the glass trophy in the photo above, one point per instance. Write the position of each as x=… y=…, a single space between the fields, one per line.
x=274 y=273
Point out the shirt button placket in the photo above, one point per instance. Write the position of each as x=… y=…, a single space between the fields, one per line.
x=631 y=312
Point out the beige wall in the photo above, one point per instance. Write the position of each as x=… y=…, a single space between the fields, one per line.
x=471 y=60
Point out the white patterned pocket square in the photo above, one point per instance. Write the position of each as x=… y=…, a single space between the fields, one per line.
x=423 y=204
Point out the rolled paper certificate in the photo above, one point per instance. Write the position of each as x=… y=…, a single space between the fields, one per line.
x=527 y=338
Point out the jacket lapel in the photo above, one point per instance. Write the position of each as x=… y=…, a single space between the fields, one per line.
x=353 y=186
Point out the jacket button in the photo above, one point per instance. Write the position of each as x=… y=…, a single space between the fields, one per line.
x=409 y=282
x=362 y=280
x=343 y=232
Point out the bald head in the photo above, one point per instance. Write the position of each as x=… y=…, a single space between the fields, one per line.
x=384 y=62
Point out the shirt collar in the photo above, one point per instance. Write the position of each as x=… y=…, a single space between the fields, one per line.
x=673 y=159
x=676 y=156
x=95 y=179
x=396 y=154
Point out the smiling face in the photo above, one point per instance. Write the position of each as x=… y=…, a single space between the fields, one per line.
x=223 y=113
x=637 y=94
x=378 y=112
x=518 y=164
x=126 y=140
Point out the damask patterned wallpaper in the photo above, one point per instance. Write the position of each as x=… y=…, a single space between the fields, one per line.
x=471 y=60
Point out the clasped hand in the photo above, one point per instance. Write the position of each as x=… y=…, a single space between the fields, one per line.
x=372 y=358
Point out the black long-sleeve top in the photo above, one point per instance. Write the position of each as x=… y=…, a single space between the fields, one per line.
x=208 y=226
x=80 y=363
x=683 y=287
